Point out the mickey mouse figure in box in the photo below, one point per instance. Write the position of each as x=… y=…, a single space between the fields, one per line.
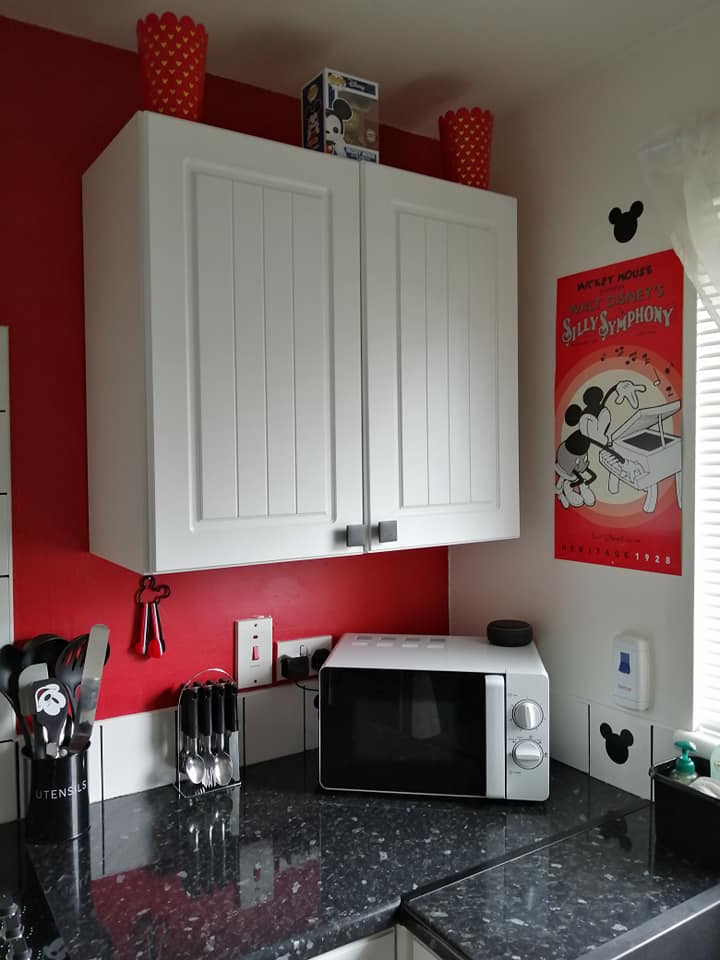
x=336 y=117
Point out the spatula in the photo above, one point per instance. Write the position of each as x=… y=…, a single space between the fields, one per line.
x=97 y=646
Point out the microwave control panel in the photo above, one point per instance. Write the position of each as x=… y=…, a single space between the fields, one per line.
x=528 y=733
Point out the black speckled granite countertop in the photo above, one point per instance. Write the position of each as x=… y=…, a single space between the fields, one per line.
x=565 y=900
x=278 y=868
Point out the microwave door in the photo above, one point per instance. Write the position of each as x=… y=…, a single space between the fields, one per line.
x=495 y=739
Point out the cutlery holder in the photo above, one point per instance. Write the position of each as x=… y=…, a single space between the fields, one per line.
x=59 y=801
x=204 y=747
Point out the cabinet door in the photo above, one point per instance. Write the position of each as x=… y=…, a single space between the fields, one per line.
x=440 y=320
x=255 y=348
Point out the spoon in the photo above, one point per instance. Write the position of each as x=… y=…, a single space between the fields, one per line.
x=222 y=761
x=190 y=761
x=205 y=724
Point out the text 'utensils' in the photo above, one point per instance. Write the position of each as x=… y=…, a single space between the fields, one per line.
x=151 y=640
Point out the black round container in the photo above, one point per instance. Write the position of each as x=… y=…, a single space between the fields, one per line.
x=509 y=633
x=59 y=801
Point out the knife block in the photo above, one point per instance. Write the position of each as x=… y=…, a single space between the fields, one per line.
x=59 y=800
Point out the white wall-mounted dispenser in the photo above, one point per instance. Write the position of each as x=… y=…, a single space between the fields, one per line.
x=631 y=672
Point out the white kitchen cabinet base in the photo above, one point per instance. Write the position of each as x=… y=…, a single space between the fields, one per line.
x=379 y=947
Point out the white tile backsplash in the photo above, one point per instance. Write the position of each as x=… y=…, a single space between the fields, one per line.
x=663 y=744
x=569 y=736
x=138 y=752
x=273 y=722
x=312 y=720
x=620 y=749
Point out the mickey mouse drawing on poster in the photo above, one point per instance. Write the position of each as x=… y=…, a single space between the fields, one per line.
x=572 y=464
x=336 y=117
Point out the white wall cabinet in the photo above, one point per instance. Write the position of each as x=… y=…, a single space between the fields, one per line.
x=439 y=311
x=233 y=416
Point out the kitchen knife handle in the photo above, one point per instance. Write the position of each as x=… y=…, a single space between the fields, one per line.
x=218 y=709
x=204 y=708
x=231 y=707
x=189 y=713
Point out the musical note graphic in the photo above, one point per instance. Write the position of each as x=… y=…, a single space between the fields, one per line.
x=656 y=381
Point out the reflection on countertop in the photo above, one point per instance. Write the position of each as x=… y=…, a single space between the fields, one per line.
x=278 y=866
x=565 y=900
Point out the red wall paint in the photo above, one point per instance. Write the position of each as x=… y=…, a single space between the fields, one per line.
x=64 y=99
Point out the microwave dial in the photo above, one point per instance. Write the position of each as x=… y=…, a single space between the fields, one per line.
x=527 y=754
x=527 y=714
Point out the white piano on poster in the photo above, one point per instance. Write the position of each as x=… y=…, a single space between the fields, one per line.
x=643 y=453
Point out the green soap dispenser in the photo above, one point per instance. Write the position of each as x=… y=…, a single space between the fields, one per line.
x=684 y=767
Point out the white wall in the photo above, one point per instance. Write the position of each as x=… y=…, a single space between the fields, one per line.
x=569 y=158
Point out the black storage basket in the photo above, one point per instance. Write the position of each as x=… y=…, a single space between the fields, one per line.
x=686 y=821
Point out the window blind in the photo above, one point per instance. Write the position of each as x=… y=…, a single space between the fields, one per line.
x=707 y=511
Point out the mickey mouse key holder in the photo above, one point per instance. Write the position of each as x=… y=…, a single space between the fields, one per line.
x=151 y=640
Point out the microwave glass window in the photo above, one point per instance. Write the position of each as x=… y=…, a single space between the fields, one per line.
x=405 y=731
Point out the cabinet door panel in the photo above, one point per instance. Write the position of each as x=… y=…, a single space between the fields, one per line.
x=215 y=331
x=441 y=351
x=250 y=381
x=256 y=369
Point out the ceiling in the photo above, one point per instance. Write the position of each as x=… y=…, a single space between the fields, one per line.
x=428 y=56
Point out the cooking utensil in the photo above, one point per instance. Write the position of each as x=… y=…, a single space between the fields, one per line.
x=70 y=664
x=9 y=675
x=191 y=762
x=94 y=661
x=44 y=648
x=49 y=714
x=222 y=762
x=231 y=726
x=28 y=677
x=205 y=724
x=31 y=675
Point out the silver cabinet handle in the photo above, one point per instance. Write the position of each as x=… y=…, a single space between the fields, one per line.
x=355 y=535
x=387 y=531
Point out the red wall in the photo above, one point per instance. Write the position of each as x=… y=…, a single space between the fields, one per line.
x=63 y=100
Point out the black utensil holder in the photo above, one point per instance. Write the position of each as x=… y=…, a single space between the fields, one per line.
x=59 y=800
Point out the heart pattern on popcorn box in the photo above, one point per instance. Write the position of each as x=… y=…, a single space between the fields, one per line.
x=465 y=141
x=172 y=58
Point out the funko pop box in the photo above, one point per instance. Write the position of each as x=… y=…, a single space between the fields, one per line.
x=340 y=116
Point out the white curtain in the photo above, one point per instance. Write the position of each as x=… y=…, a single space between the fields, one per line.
x=683 y=174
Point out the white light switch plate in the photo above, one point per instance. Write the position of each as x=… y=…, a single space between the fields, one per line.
x=253 y=652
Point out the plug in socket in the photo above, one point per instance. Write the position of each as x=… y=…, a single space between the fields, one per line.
x=298 y=648
x=253 y=652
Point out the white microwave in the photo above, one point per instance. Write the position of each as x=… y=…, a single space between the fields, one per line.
x=434 y=715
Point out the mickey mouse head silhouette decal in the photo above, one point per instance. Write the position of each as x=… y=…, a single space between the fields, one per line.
x=617 y=745
x=625 y=224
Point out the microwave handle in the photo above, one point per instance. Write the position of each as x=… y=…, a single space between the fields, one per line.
x=494 y=735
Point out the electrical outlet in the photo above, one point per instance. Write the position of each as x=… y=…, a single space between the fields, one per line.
x=253 y=652
x=296 y=648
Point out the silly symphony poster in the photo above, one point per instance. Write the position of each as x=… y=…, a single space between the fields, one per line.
x=618 y=413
